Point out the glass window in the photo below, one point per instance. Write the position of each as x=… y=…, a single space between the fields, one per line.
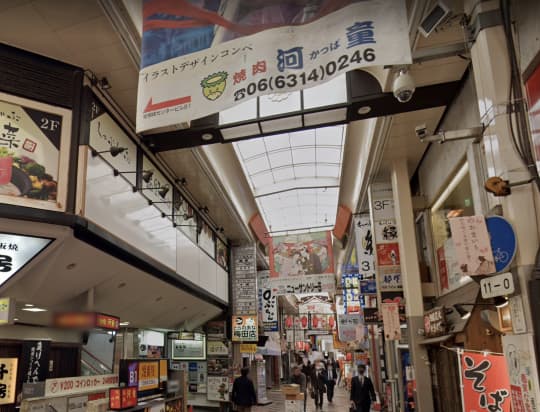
x=455 y=201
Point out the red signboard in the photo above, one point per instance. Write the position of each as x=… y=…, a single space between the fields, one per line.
x=122 y=398
x=486 y=384
x=86 y=320
x=533 y=93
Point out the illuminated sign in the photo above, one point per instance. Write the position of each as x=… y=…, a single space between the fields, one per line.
x=8 y=380
x=245 y=329
x=86 y=320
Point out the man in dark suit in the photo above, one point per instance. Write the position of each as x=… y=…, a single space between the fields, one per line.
x=362 y=392
x=331 y=376
x=318 y=385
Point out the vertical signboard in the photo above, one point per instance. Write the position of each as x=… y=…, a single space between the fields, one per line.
x=364 y=245
x=391 y=324
x=268 y=306
x=244 y=280
x=8 y=380
x=35 y=360
x=486 y=386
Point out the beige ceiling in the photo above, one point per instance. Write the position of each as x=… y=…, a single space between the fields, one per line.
x=119 y=288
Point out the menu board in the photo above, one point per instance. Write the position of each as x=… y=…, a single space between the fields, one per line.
x=186 y=349
x=244 y=279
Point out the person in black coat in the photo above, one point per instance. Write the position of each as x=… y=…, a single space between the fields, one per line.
x=362 y=391
x=331 y=376
x=243 y=393
x=318 y=384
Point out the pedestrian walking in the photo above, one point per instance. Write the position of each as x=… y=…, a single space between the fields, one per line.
x=362 y=392
x=331 y=376
x=243 y=392
x=318 y=385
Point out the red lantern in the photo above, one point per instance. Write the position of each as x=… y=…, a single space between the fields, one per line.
x=289 y=322
x=331 y=322
x=304 y=321
x=315 y=321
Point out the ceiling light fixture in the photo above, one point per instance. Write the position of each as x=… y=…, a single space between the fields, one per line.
x=28 y=305
x=34 y=309
x=207 y=136
x=114 y=151
x=364 y=110
x=126 y=323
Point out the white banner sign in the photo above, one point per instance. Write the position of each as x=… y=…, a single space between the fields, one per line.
x=244 y=280
x=303 y=284
x=364 y=245
x=67 y=386
x=16 y=251
x=268 y=305
x=391 y=324
x=292 y=56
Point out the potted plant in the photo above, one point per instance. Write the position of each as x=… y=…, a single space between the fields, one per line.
x=6 y=164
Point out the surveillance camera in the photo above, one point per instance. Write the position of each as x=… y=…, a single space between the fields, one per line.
x=403 y=87
x=421 y=131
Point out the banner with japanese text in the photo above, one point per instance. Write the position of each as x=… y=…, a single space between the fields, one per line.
x=302 y=254
x=486 y=384
x=299 y=285
x=268 y=305
x=364 y=245
x=199 y=58
x=244 y=280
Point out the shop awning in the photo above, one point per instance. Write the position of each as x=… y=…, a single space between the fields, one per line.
x=438 y=339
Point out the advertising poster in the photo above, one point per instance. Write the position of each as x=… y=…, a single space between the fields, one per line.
x=391 y=321
x=522 y=372
x=244 y=280
x=364 y=245
x=299 y=255
x=29 y=153
x=8 y=380
x=388 y=254
x=486 y=386
x=218 y=388
x=244 y=329
x=224 y=53
x=268 y=305
x=472 y=245
x=35 y=360
x=347 y=325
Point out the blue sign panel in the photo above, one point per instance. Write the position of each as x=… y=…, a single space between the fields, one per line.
x=503 y=241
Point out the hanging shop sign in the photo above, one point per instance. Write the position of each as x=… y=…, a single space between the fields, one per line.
x=397 y=298
x=522 y=372
x=486 y=385
x=244 y=279
x=189 y=349
x=248 y=348
x=472 y=245
x=86 y=320
x=503 y=241
x=35 y=360
x=217 y=348
x=233 y=55
x=222 y=254
x=368 y=287
x=533 y=96
x=347 y=325
x=216 y=330
x=122 y=398
x=435 y=323
x=16 y=251
x=371 y=315
x=390 y=278
x=386 y=231
x=300 y=255
x=106 y=133
x=244 y=328
x=350 y=283
x=7 y=311
x=391 y=321
x=364 y=245
x=303 y=284
x=268 y=305
x=77 y=384
x=8 y=380
x=30 y=139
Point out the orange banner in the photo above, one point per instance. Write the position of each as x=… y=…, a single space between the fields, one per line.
x=486 y=384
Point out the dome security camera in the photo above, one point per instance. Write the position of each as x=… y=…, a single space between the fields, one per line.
x=403 y=87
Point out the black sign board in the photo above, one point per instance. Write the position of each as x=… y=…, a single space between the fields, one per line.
x=435 y=323
x=35 y=360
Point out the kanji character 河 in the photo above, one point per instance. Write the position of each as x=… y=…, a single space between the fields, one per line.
x=290 y=59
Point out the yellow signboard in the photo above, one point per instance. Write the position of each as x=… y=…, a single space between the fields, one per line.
x=8 y=380
x=244 y=328
x=148 y=375
x=248 y=348
x=7 y=310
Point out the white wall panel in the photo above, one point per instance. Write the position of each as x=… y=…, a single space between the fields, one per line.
x=207 y=278
x=188 y=258
x=222 y=284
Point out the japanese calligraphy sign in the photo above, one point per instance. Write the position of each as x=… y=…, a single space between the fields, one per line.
x=364 y=245
x=35 y=360
x=148 y=375
x=391 y=321
x=29 y=153
x=244 y=280
x=435 y=322
x=8 y=380
x=268 y=305
x=303 y=254
x=16 y=251
x=244 y=329
x=194 y=66
x=472 y=245
x=303 y=284
x=486 y=386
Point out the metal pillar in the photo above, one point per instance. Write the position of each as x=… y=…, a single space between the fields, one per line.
x=412 y=284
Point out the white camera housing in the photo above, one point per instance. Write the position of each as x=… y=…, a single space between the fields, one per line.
x=403 y=87
x=421 y=131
